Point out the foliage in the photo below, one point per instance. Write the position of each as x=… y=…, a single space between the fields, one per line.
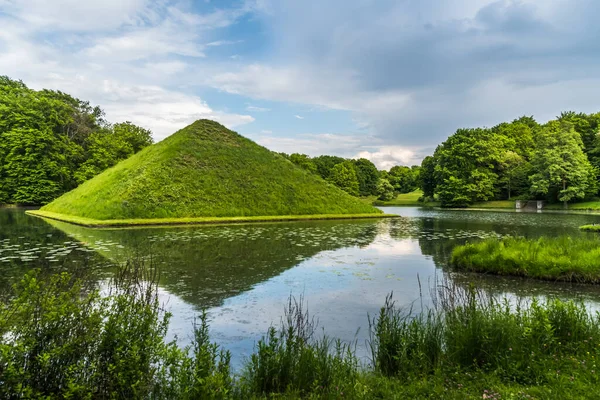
x=405 y=179
x=105 y=148
x=367 y=175
x=205 y=170
x=61 y=339
x=559 y=161
x=292 y=360
x=561 y=164
x=558 y=259
x=343 y=175
x=303 y=161
x=51 y=141
x=466 y=166
x=325 y=164
x=427 y=176
x=385 y=190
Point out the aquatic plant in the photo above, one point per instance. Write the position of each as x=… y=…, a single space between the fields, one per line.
x=566 y=258
x=60 y=339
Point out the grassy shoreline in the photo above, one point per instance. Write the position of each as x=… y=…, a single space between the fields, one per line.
x=123 y=223
x=468 y=346
x=555 y=259
x=590 y=228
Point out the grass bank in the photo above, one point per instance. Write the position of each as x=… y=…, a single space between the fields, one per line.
x=404 y=199
x=123 y=223
x=57 y=343
x=203 y=171
x=590 y=228
x=412 y=199
x=583 y=206
x=558 y=259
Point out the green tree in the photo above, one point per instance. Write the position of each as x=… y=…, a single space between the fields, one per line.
x=368 y=176
x=325 y=164
x=561 y=165
x=404 y=179
x=343 y=175
x=385 y=190
x=50 y=141
x=107 y=146
x=303 y=161
x=471 y=158
x=427 y=176
x=509 y=164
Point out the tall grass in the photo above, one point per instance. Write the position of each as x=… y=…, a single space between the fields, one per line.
x=205 y=170
x=60 y=340
x=467 y=330
x=292 y=360
x=566 y=258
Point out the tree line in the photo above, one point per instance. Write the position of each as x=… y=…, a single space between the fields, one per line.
x=558 y=161
x=360 y=177
x=51 y=141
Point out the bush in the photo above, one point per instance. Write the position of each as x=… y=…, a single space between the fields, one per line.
x=59 y=340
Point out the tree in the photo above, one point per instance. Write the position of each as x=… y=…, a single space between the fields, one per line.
x=343 y=175
x=303 y=161
x=508 y=164
x=50 y=141
x=560 y=162
x=325 y=164
x=466 y=166
x=108 y=146
x=385 y=190
x=368 y=176
x=403 y=179
x=427 y=176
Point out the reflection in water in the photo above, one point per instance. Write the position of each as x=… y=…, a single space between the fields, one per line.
x=27 y=242
x=244 y=273
x=205 y=265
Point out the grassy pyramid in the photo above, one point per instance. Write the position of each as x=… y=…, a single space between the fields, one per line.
x=205 y=170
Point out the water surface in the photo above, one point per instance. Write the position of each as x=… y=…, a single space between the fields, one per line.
x=243 y=274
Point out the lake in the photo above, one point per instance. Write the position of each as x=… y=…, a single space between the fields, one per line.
x=244 y=274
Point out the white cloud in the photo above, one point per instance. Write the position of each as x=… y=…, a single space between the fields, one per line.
x=130 y=72
x=388 y=156
x=165 y=111
x=74 y=15
x=316 y=144
x=413 y=72
x=257 y=109
x=299 y=117
x=222 y=43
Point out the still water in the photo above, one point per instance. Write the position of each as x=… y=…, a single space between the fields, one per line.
x=244 y=274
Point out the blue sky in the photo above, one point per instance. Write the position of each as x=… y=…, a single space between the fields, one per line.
x=386 y=79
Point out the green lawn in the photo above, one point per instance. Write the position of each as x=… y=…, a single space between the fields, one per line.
x=583 y=206
x=506 y=204
x=205 y=171
x=568 y=259
x=95 y=223
x=403 y=199
x=412 y=199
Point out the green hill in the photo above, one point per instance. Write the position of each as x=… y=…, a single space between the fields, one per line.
x=203 y=171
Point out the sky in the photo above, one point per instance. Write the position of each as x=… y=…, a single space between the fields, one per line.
x=387 y=80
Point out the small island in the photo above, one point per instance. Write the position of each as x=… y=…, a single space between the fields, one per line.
x=566 y=258
x=204 y=173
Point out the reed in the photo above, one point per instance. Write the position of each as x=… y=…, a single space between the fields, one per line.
x=566 y=258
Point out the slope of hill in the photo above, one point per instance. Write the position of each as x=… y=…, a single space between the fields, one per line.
x=206 y=172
